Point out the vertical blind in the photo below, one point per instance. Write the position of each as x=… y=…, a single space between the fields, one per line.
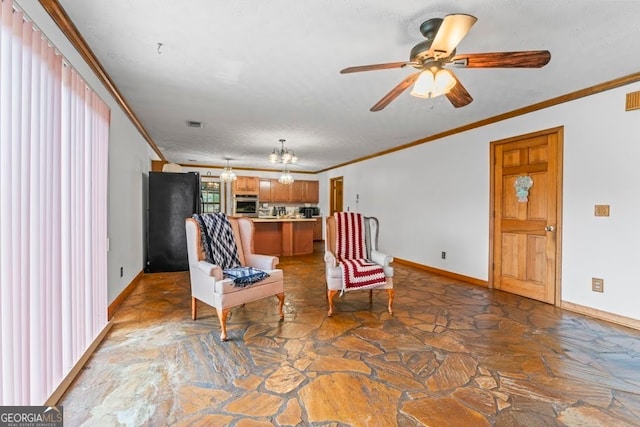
x=54 y=133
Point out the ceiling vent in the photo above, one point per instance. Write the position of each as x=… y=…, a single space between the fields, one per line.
x=193 y=124
x=633 y=101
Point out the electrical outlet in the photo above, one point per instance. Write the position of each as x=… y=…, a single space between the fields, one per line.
x=121 y=271
x=597 y=285
x=444 y=255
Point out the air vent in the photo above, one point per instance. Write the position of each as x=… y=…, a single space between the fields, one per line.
x=633 y=101
x=193 y=124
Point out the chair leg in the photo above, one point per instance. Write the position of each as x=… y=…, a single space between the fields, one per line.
x=370 y=296
x=330 y=294
x=391 y=293
x=194 y=311
x=222 y=316
x=280 y=304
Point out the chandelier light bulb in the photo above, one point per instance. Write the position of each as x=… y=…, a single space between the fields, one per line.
x=286 y=177
x=227 y=174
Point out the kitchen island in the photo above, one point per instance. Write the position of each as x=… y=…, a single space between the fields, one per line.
x=283 y=236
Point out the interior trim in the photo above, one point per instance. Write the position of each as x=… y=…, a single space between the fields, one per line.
x=445 y=273
x=113 y=307
x=60 y=17
x=602 y=315
x=55 y=397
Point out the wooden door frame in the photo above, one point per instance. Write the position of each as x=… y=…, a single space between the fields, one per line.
x=331 y=192
x=559 y=132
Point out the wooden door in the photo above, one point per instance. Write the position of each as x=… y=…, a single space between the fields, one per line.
x=526 y=228
x=335 y=202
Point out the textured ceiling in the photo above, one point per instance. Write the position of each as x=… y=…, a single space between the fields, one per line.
x=255 y=71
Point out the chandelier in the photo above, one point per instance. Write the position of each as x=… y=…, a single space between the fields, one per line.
x=227 y=174
x=282 y=155
x=286 y=177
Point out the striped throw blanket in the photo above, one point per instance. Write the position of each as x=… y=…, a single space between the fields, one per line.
x=357 y=271
x=221 y=249
x=218 y=240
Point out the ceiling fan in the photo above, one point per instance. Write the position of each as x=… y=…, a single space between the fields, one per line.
x=431 y=56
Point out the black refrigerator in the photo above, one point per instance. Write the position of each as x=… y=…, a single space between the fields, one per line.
x=173 y=197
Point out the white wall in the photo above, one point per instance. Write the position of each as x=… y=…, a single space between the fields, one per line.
x=435 y=197
x=129 y=162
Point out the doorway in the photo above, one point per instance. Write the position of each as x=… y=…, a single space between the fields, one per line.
x=335 y=199
x=526 y=207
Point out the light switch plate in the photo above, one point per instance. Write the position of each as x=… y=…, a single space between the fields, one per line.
x=601 y=210
x=597 y=285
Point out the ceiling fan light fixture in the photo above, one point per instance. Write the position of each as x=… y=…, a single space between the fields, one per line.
x=433 y=82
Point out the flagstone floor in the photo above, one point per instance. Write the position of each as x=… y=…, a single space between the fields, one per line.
x=452 y=354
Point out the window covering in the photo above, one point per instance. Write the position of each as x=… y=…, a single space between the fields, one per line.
x=54 y=133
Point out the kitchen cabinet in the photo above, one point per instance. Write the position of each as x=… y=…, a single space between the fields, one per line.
x=312 y=192
x=280 y=193
x=300 y=191
x=264 y=191
x=246 y=185
x=297 y=194
x=317 y=229
x=283 y=237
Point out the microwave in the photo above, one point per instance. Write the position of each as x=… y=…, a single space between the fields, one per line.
x=245 y=205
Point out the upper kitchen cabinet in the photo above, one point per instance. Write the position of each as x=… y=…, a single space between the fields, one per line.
x=280 y=193
x=264 y=191
x=298 y=192
x=312 y=192
x=246 y=185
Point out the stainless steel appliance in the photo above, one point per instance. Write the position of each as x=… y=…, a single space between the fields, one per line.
x=245 y=205
x=309 y=211
x=279 y=210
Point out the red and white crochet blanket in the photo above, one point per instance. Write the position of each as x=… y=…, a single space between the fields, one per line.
x=357 y=271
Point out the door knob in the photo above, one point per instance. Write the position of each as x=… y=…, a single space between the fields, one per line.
x=549 y=228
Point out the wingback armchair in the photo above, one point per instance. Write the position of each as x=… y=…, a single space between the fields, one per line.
x=334 y=269
x=209 y=285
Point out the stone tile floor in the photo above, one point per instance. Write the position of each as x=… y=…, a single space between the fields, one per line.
x=452 y=354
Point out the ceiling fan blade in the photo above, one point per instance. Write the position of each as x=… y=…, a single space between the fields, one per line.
x=458 y=96
x=374 y=67
x=522 y=59
x=450 y=34
x=393 y=94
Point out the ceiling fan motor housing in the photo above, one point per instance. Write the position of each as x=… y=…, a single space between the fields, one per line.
x=430 y=28
x=421 y=52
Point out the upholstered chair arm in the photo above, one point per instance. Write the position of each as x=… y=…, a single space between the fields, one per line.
x=381 y=258
x=210 y=269
x=261 y=262
x=330 y=259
